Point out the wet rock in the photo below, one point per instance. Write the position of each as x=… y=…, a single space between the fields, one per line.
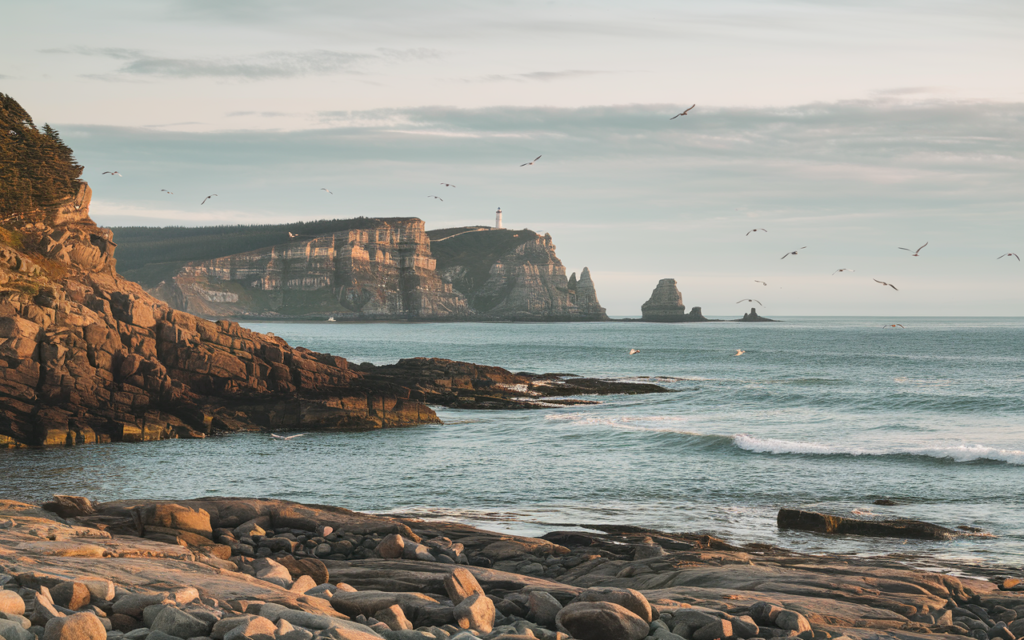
x=824 y=523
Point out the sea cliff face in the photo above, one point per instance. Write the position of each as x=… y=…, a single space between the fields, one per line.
x=390 y=269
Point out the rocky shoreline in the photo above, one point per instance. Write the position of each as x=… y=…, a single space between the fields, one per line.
x=233 y=568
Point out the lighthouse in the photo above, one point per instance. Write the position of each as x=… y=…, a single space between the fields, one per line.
x=497 y=219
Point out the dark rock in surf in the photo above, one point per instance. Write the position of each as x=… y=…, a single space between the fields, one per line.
x=824 y=523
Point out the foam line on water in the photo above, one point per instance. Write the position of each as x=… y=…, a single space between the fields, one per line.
x=957 y=453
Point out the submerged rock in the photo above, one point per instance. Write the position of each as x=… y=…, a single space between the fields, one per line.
x=824 y=523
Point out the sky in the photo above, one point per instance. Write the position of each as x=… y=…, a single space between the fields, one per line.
x=848 y=128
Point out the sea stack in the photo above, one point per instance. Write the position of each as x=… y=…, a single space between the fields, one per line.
x=666 y=305
x=753 y=317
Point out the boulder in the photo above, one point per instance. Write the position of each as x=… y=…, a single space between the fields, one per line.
x=302 y=584
x=256 y=628
x=175 y=622
x=311 y=567
x=12 y=630
x=174 y=516
x=275 y=574
x=600 y=621
x=460 y=584
x=392 y=546
x=132 y=604
x=43 y=610
x=792 y=621
x=222 y=626
x=367 y=603
x=100 y=589
x=629 y=598
x=71 y=595
x=475 y=612
x=715 y=631
x=544 y=608
x=80 y=626
x=12 y=603
x=417 y=552
x=70 y=506
x=394 y=618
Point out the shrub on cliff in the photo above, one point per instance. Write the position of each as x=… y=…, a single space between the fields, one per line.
x=37 y=170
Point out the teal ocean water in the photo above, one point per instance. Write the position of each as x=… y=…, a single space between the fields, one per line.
x=819 y=413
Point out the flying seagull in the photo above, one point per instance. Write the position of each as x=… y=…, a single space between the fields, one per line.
x=750 y=300
x=207 y=198
x=1009 y=254
x=753 y=230
x=886 y=284
x=791 y=253
x=886 y=326
x=327 y=190
x=297 y=435
x=681 y=114
x=633 y=352
x=762 y=282
x=448 y=185
x=113 y=173
x=170 y=193
x=436 y=198
x=739 y=352
x=915 y=252
x=840 y=271
x=526 y=164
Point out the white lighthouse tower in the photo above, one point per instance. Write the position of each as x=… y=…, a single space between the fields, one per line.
x=497 y=219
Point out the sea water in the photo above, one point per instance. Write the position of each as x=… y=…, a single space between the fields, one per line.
x=823 y=414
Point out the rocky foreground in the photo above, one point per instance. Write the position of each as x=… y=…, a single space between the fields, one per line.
x=229 y=569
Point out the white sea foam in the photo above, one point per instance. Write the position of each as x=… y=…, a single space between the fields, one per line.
x=628 y=423
x=958 y=453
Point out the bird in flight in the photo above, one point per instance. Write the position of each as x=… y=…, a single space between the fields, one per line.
x=297 y=435
x=207 y=198
x=887 y=326
x=915 y=252
x=750 y=300
x=113 y=173
x=886 y=284
x=840 y=271
x=327 y=190
x=436 y=198
x=526 y=164
x=170 y=193
x=298 y=235
x=1009 y=254
x=681 y=114
x=633 y=352
x=450 y=185
x=762 y=282
x=754 y=230
x=739 y=352
x=791 y=253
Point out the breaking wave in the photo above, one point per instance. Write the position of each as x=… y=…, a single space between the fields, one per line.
x=956 y=453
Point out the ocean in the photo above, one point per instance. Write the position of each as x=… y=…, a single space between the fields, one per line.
x=823 y=414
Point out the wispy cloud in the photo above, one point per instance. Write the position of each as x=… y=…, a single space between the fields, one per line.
x=538 y=76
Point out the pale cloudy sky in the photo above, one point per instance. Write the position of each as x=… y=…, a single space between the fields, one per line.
x=852 y=128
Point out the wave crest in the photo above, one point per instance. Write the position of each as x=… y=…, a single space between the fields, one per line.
x=956 y=453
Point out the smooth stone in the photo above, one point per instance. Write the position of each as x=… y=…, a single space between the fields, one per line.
x=14 y=630
x=764 y=612
x=394 y=617
x=175 y=622
x=303 y=584
x=12 y=603
x=80 y=626
x=629 y=598
x=227 y=624
x=717 y=629
x=600 y=621
x=392 y=546
x=475 y=612
x=460 y=584
x=792 y=621
x=544 y=608
x=257 y=628
x=73 y=595
x=132 y=604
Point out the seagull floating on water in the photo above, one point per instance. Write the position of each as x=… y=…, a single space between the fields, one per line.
x=682 y=114
x=633 y=352
x=297 y=435
x=207 y=198
x=739 y=352
x=915 y=253
x=791 y=253
x=526 y=164
x=1009 y=254
x=113 y=173
x=750 y=300
x=886 y=284
x=755 y=230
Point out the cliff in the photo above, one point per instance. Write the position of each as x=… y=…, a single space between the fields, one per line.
x=666 y=305
x=365 y=269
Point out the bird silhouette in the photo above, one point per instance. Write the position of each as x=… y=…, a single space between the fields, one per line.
x=207 y=198
x=170 y=193
x=886 y=284
x=840 y=271
x=526 y=164
x=633 y=352
x=681 y=114
x=327 y=190
x=739 y=352
x=436 y=198
x=448 y=185
x=791 y=253
x=762 y=282
x=750 y=300
x=915 y=253
x=1009 y=254
x=755 y=230
x=113 y=173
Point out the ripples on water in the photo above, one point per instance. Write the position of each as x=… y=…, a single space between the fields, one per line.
x=827 y=414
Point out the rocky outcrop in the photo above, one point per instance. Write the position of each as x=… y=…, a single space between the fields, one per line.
x=753 y=317
x=514 y=275
x=271 y=568
x=666 y=305
x=381 y=271
x=825 y=523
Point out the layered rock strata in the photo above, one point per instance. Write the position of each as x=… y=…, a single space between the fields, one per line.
x=234 y=568
x=666 y=305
